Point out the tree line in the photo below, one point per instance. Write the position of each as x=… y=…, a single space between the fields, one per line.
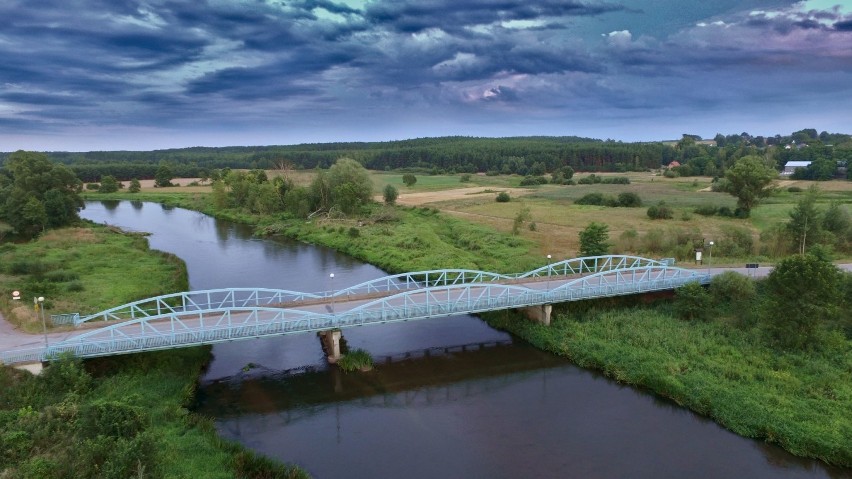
x=518 y=155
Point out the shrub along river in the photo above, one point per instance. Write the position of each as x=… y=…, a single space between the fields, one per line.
x=450 y=397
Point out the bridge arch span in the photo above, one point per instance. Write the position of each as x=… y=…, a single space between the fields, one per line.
x=210 y=316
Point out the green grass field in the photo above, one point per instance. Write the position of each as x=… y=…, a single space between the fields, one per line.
x=84 y=270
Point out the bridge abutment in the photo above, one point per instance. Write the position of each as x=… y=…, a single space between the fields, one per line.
x=331 y=344
x=539 y=313
x=35 y=368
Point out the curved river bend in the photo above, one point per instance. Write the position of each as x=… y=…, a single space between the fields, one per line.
x=450 y=397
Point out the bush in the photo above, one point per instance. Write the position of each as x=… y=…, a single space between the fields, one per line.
x=595 y=198
x=794 y=189
x=92 y=186
x=735 y=242
x=248 y=464
x=721 y=185
x=803 y=295
x=629 y=199
x=732 y=290
x=108 y=184
x=503 y=197
x=464 y=178
x=354 y=232
x=692 y=301
x=111 y=418
x=390 y=194
x=354 y=360
x=66 y=375
x=615 y=180
x=706 y=210
x=533 y=181
x=61 y=276
x=28 y=266
x=726 y=212
x=594 y=240
x=660 y=212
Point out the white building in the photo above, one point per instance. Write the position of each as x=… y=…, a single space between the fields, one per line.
x=791 y=166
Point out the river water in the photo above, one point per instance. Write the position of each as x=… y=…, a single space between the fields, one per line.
x=450 y=397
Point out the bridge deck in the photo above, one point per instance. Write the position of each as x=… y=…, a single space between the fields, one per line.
x=205 y=317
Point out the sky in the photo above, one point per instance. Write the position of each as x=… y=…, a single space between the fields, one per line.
x=82 y=75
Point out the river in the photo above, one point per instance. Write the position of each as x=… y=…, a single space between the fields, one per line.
x=450 y=397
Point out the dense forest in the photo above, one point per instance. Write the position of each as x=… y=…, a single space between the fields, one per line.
x=518 y=155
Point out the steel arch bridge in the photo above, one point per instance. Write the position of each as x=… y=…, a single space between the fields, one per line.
x=204 y=317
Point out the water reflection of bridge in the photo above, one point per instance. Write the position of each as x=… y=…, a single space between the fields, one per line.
x=421 y=378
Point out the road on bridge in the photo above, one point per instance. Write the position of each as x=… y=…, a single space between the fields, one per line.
x=13 y=340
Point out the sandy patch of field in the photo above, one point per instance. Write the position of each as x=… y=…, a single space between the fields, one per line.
x=175 y=181
x=426 y=197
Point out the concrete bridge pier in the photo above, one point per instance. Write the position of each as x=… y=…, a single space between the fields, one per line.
x=539 y=314
x=330 y=340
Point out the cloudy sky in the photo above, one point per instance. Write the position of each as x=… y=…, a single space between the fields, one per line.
x=84 y=75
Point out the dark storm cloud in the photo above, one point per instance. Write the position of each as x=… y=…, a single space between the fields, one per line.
x=44 y=99
x=170 y=62
x=248 y=84
x=802 y=20
x=450 y=15
x=501 y=94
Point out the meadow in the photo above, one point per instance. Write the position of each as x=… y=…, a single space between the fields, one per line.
x=554 y=220
x=83 y=270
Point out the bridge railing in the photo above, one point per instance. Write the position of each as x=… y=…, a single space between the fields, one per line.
x=29 y=355
x=227 y=324
x=202 y=300
x=189 y=301
x=449 y=277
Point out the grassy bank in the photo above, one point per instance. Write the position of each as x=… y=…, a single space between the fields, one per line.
x=396 y=239
x=800 y=401
x=122 y=417
x=83 y=270
x=119 y=417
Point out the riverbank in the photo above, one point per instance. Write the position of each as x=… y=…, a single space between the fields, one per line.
x=82 y=269
x=124 y=416
x=797 y=400
x=766 y=403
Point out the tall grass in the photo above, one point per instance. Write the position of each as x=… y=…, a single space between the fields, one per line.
x=84 y=270
x=121 y=417
x=800 y=401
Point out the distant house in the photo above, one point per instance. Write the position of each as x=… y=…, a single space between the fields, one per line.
x=791 y=166
x=673 y=164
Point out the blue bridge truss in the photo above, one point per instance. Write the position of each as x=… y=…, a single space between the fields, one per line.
x=204 y=317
